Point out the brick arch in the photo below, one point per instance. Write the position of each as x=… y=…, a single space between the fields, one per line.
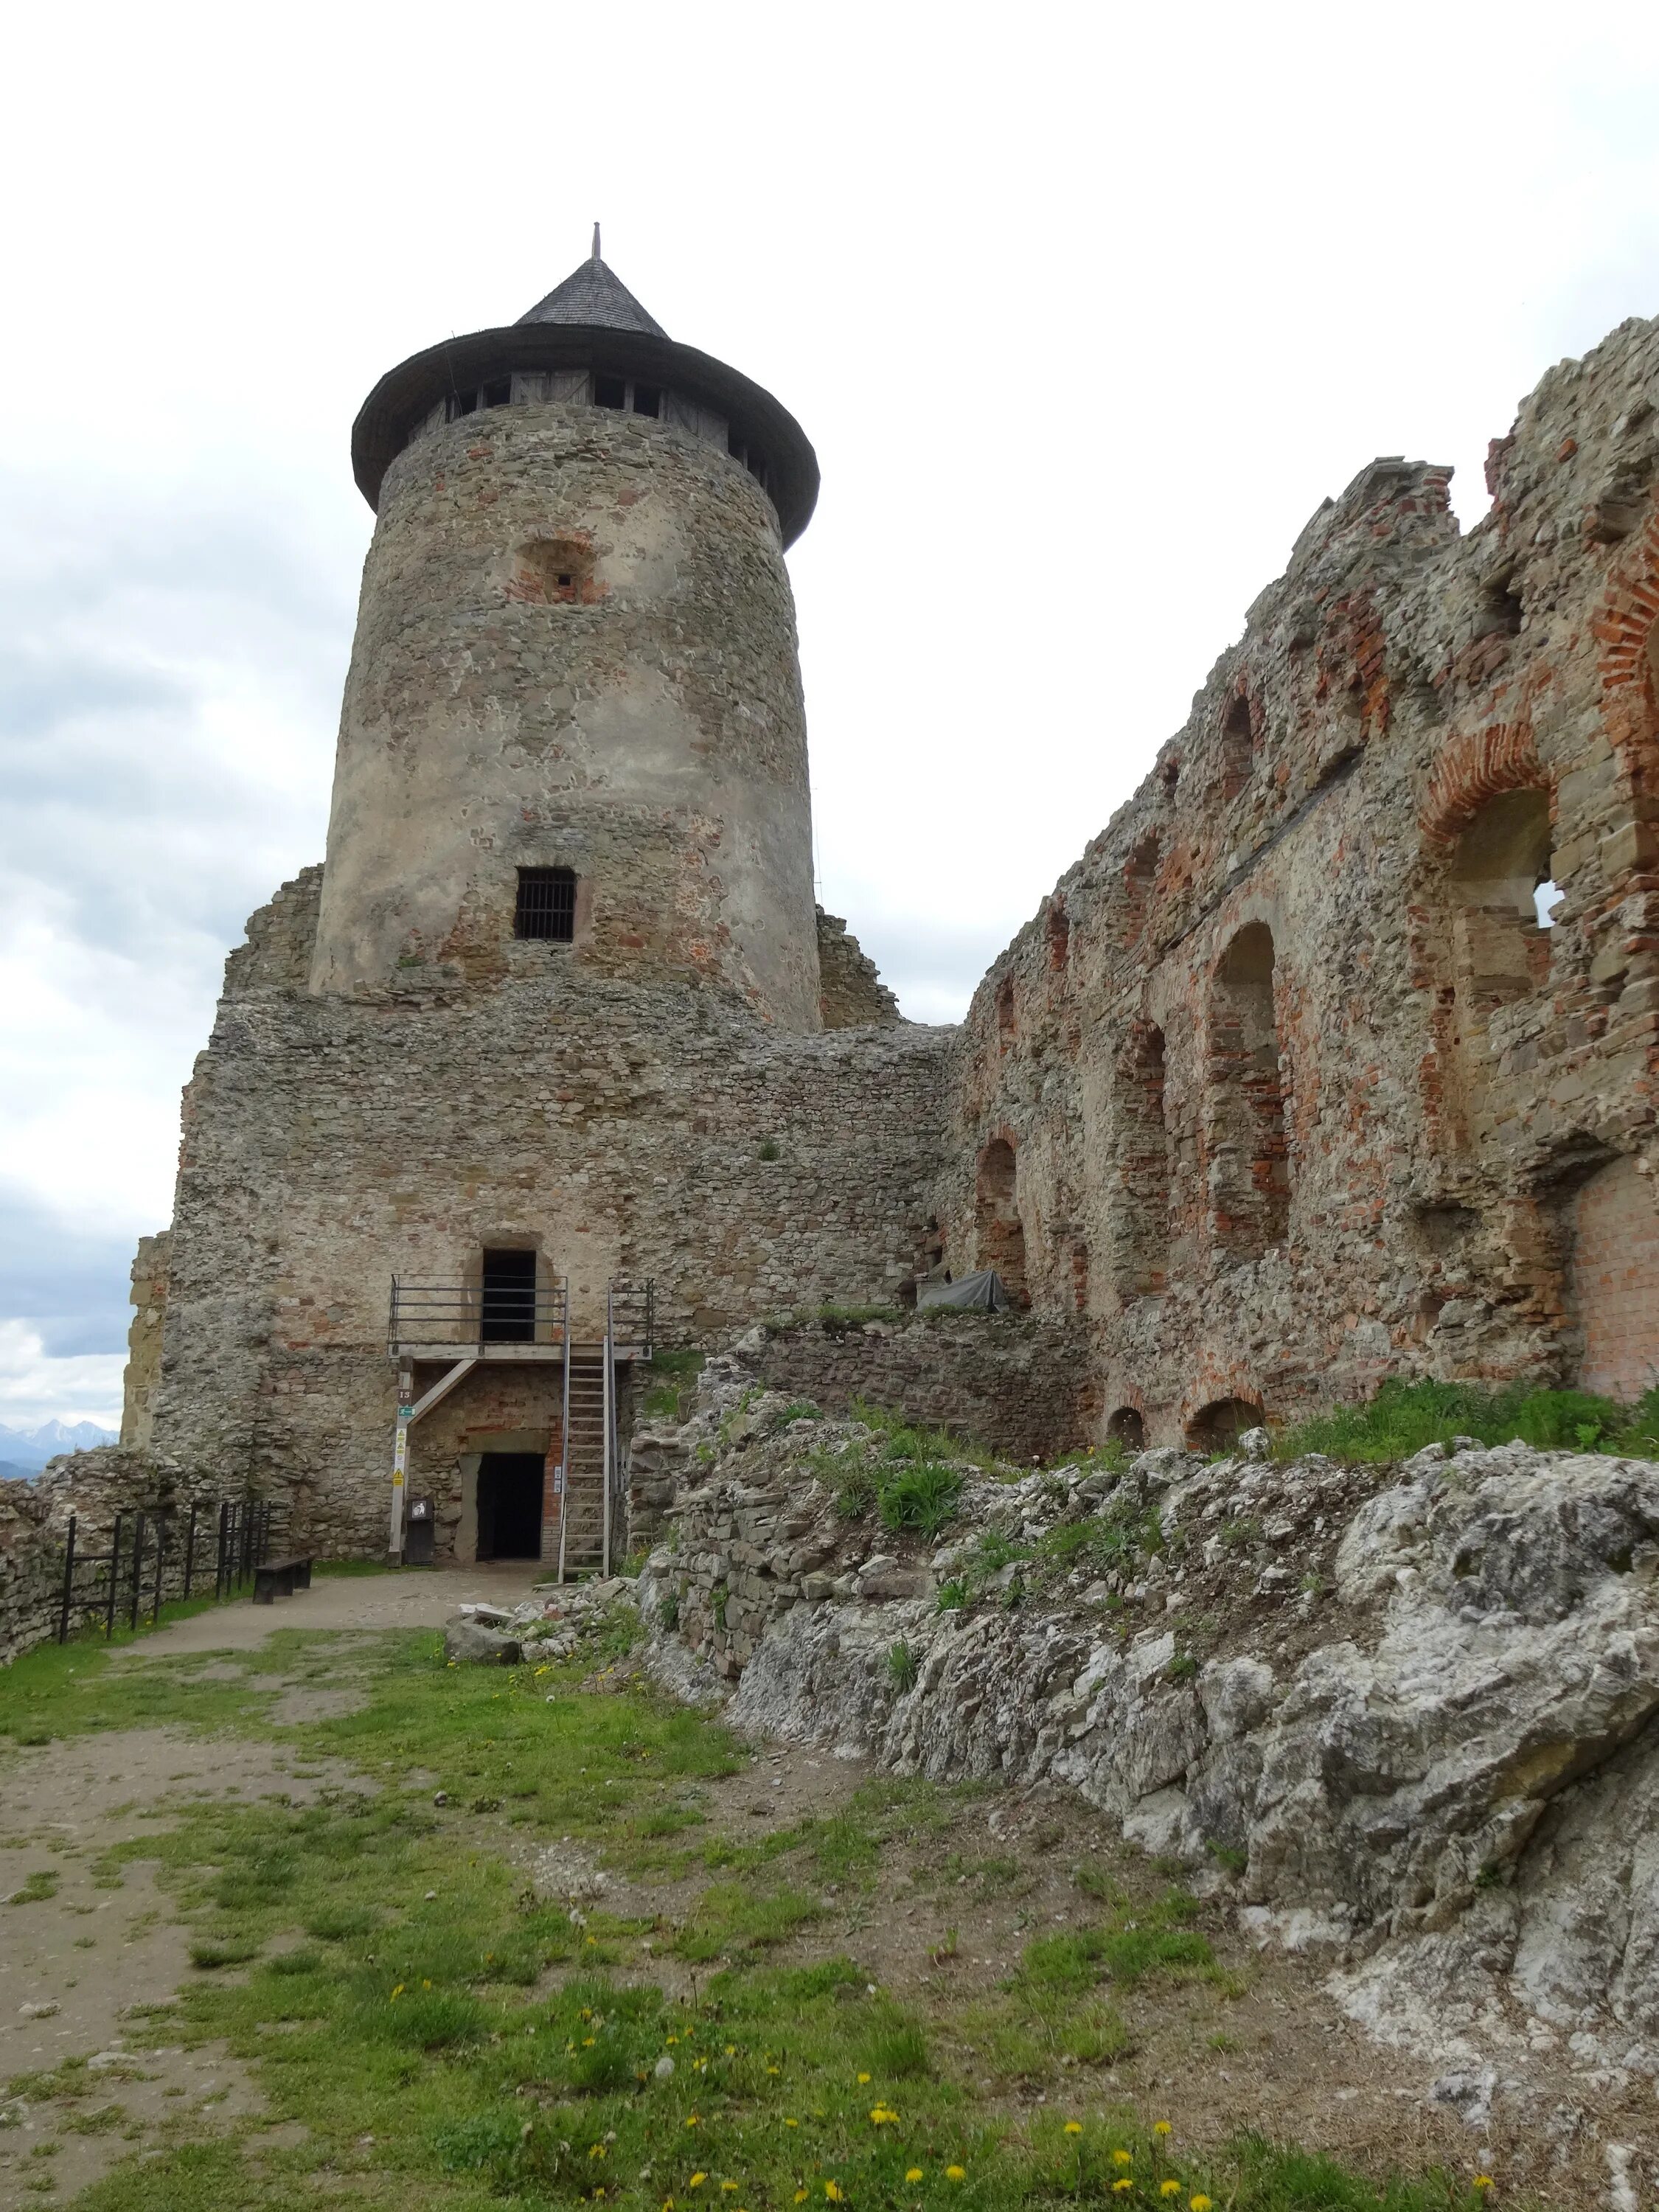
x=1627 y=631
x=1473 y=768
x=1630 y=608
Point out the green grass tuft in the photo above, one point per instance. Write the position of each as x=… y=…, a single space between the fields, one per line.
x=1405 y=1417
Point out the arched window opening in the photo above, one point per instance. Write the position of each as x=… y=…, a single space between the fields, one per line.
x=1140 y=874
x=1249 y=1150
x=1060 y=936
x=1142 y=1165
x=1501 y=609
x=1127 y=1427
x=1218 y=1425
x=1000 y=1232
x=1238 y=747
x=1504 y=896
x=1006 y=1019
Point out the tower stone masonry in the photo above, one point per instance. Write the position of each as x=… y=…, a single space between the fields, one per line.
x=575 y=648
x=1333 y=1057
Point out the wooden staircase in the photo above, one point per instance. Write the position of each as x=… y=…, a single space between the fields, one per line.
x=584 y=1474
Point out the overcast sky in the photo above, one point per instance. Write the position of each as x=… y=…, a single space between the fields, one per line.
x=1086 y=309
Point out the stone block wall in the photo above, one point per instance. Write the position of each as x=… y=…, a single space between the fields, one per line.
x=851 y=993
x=31 y=1569
x=1285 y=1089
x=623 y=1131
x=144 y=1368
x=1020 y=1384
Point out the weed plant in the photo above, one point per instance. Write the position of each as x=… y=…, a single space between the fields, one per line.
x=1404 y=1417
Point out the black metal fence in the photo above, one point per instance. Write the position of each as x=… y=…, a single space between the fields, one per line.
x=156 y=1556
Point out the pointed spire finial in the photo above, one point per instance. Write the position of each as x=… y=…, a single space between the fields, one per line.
x=596 y=241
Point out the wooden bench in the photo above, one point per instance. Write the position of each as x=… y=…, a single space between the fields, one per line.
x=280 y=1579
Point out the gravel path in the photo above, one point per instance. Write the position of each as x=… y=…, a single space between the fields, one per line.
x=413 y=1598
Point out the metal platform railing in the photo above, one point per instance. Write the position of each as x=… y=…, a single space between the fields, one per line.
x=631 y=1319
x=472 y=1317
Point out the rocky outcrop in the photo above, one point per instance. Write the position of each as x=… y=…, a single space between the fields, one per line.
x=1408 y=1714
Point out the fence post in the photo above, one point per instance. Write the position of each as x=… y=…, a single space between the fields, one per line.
x=69 y=1583
x=189 y=1549
x=114 y=1564
x=137 y=1563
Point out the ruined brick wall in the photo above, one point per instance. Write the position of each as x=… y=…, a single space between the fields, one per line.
x=1284 y=1090
x=1018 y=1383
x=851 y=993
x=626 y=1132
x=144 y=1368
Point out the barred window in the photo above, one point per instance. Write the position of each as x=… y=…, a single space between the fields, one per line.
x=546 y=905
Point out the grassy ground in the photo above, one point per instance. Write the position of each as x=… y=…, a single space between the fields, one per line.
x=444 y=2036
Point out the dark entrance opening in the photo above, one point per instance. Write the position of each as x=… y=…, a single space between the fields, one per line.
x=509 y=1298
x=510 y=1505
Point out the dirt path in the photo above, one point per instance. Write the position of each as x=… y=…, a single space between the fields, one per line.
x=80 y=1956
x=412 y=1599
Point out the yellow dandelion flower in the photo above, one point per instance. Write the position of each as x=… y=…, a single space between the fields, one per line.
x=1120 y=2186
x=426 y=1985
x=673 y=2038
x=914 y=2174
x=667 y=2204
x=881 y=2117
x=588 y=2041
x=1160 y=2127
x=792 y=2124
x=863 y=2079
x=730 y=2049
x=698 y=2179
x=1075 y=2127
x=731 y=2187
x=1168 y=2189
x=956 y=2173
x=1198 y=2204
x=832 y=2191
x=396 y=1993
x=800 y=2197
x=1121 y=2158
x=775 y=2069
x=690 y=2119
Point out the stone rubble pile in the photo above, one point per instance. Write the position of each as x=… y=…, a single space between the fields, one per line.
x=549 y=1624
x=1409 y=1714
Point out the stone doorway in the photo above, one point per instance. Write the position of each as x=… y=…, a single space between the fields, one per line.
x=510 y=1505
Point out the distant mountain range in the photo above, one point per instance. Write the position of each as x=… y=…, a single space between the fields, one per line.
x=26 y=1451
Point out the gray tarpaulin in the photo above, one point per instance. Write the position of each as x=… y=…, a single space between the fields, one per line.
x=982 y=1292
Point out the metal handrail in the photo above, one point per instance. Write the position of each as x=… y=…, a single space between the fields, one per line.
x=460 y=1316
x=564 y=1451
x=632 y=1307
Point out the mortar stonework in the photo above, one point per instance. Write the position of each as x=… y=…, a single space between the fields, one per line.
x=641 y=724
x=1283 y=1091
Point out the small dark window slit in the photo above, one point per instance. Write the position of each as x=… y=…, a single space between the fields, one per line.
x=546 y=906
x=610 y=391
x=647 y=399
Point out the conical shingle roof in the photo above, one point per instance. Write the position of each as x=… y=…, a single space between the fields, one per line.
x=592 y=295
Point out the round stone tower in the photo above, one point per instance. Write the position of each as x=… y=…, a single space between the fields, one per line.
x=573 y=733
